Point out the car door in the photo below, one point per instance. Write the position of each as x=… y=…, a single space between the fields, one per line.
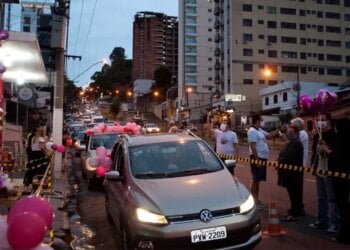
x=115 y=189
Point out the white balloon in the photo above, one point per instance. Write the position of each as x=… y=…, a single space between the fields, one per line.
x=48 y=145
x=43 y=246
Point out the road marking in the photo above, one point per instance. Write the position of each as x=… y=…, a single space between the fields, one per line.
x=310 y=180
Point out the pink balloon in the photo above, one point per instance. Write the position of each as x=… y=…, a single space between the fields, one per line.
x=61 y=149
x=4 y=34
x=306 y=103
x=325 y=99
x=2 y=68
x=4 y=244
x=33 y=204
x=54 y=146
x=26 y=231
x=106 y=162
x=43 y=246
x=101 y=152
x=101 y=171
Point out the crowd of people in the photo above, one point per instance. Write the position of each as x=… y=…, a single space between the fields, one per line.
x=329 y=143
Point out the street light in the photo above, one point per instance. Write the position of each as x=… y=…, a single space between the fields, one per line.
x=189 y=90
x=104 y=62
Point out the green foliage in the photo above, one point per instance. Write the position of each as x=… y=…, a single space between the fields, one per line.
x=115 y=107
x=162 y=77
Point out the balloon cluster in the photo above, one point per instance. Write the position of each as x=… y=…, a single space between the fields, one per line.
x=26 y=225
x=52 y=146
x=322 y=102
x=102 y=162
x=130 y=127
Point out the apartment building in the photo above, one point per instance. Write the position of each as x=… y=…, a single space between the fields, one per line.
x=155 y=38
x=296 y=39
x=196 y=57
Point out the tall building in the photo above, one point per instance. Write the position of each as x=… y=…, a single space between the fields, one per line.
x=154 y=44
x=196 y=57
x=298 y=40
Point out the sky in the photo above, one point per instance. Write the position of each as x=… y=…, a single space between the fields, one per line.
x=110 y=26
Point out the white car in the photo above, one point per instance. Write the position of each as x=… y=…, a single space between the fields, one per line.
x=150 y=128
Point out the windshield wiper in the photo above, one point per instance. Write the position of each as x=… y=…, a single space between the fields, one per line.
x=150 y=175
x=192 y=171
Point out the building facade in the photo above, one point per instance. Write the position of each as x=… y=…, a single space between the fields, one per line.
x=309 y=40
x=196 y=57
x=154 y=44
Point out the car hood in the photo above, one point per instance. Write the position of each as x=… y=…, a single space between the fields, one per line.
x=190 y=194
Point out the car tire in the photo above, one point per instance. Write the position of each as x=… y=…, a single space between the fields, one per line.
x=125 y=240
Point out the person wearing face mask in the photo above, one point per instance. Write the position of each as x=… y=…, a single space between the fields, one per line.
x=323 y=158
x=226 y=141
x=292 y=154
x=259 y=150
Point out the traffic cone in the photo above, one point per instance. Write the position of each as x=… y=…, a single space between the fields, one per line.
x=274 y=227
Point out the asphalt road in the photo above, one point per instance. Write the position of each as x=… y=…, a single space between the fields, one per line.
x=298 y=234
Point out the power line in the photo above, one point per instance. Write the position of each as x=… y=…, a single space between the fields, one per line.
x=91 y=20
x=81 y=14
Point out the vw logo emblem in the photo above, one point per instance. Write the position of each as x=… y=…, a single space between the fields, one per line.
x=205 y=215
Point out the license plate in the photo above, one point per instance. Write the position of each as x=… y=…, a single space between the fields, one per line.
x=214 y=233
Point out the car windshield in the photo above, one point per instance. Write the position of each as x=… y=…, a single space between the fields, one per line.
x=151 y=125
x=103 y=140
x=172 y=159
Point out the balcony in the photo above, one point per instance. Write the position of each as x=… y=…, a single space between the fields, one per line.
x=217 y=65
x=217 y=38
x=217 y=24
x=217 y=10
x=217 y=52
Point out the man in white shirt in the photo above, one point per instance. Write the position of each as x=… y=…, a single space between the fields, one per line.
x=259 y=150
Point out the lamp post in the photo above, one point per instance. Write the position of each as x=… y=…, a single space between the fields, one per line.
x=188 y=92
x=104 y=62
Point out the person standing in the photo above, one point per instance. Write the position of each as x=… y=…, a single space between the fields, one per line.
x=323 y=158
x=258 y=150
x=172 y=127
x=226 y=141
x=342 y=185
x=292 y=154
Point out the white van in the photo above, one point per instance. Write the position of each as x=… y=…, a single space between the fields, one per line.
x=98 y=119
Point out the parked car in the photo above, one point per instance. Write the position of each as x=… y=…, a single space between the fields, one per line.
x=150 y=128
x=172 y=191
x=80 y=143
x=94 y=141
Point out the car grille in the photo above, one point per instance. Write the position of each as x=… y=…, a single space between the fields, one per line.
x=194 y=217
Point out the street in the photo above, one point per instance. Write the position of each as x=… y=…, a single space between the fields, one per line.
x=298 y=234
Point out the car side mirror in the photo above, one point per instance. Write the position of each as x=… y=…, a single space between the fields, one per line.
x=230 y=164
x=113 y=176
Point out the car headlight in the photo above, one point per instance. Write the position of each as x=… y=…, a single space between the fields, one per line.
x=247 y=205
x=157 y=129
x=146 y=216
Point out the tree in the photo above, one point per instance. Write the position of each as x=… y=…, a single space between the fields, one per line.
x=115 y=107
x=162 y=77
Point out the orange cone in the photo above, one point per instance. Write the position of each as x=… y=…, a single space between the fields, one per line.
x=274 y=227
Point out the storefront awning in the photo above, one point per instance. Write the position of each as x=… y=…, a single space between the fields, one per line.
x=21 y=55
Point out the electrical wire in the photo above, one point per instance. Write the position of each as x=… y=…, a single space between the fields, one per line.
x=90 y=25
x=79 y=25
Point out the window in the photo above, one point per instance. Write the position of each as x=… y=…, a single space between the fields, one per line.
x=260 y=21
x=301 y=12
x=333 y=29
x=321 y=57
x=334 y=72
x=319 y=28
x=302 y=55
x=247 y=7
x=261 y=36
x=321 y=71
x=275 y=99
x=332 y=2
x=271 y=10
x=347 y=45
x=348 y=72
x=302 y=26
x=272 y=82
x=267 y=101
x=347 y=31
x=247 y=52
x=332 y=15
x=271 y=24
x=302 y=41
x=285 y=96
x=248 y=81
x=333 y=43
x=288 y=54
x=260 y=7
x=320 y=14
x=272 y=39
x=347 y=59
x=272 y=53
x=346 y=3
x=320 y=42
x=288 y=39
x=346 y=17
x=286 y=25
x=261 y=51
x=261 y=81
x=333 y=57
x=288 y=11
x=289 y=69
x=247 y=67
x=247 y=22
x=247 y=37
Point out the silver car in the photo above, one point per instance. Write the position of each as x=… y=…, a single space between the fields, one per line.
x=172 y=191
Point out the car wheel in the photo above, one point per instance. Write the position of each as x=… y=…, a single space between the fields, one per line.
x=125 y=238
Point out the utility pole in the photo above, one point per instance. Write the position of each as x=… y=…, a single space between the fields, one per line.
x=59 y=26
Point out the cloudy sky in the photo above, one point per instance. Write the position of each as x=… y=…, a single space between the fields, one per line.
x=97 y=26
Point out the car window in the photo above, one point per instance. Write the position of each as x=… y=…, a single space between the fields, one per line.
x=103 y=140
x=165 y=159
